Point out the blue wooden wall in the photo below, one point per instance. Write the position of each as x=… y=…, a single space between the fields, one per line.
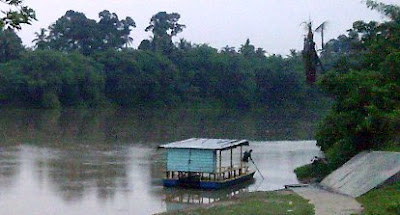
x=191 y=160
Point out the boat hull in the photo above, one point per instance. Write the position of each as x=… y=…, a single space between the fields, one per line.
x=208 y=184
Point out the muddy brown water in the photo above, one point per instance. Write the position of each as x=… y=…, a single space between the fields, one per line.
x=107 y=162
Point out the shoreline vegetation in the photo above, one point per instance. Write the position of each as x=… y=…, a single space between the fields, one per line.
x=129 y=78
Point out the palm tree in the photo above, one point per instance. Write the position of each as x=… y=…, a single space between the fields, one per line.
x=128 y=40
x=40 y=39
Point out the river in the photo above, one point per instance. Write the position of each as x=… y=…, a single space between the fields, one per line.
x=107 y=162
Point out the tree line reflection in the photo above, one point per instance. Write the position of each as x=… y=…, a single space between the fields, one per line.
x=150 y=126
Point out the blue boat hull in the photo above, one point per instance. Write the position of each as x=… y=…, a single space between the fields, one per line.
x=208 y=184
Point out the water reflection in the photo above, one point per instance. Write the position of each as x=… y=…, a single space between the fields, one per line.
x=107 y=162
x=9 y=167
x=182 y=198
x=88 y=169
x=67 y=127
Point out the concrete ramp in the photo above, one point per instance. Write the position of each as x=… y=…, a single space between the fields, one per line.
x=328 y=203
x=364 y=172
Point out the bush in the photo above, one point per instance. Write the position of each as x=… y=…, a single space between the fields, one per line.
x=314 y=172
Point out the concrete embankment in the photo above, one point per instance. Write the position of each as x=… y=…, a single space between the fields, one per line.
x=364 y=172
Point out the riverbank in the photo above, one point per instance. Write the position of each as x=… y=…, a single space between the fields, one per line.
x=384 y=199
x=273 y=202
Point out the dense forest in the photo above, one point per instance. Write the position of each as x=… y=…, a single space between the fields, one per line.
x=80 y=62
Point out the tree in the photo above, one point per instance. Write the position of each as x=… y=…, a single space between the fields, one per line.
x=184 y=45
x=114 y=32
x=391 y=11
x=50 y=79
x=10 y=45
x=228 y=50
x=128 y=40
x=366 y=111
x=18 y=15
x=145 y=45
x=247 y=50
x=139 y=78
x=75 y=32
x=343 y=53
x=164 y=26
x=41 y=39
x=260 y=52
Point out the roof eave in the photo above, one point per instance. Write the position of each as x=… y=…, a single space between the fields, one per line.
x=239 y=143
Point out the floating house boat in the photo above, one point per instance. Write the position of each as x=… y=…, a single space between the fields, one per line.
x=200 y=163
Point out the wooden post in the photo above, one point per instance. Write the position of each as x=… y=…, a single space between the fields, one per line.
x=241 y=160
x=220 y=162
x=230 y=171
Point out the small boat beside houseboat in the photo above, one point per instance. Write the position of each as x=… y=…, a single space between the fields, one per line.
x=199 y=163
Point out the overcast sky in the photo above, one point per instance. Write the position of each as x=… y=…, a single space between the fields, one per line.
x=273 y=25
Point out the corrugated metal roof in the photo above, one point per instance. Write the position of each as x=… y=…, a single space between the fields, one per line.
x=202 y=143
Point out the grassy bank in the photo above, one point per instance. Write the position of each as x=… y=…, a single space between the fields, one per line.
x=279 y=202
x=382 y=201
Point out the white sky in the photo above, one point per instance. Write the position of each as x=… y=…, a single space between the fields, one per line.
x=273 y=25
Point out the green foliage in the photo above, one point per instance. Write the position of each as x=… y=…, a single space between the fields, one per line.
x=343 y=53
x=382 y=201
x=114 y=32
x=391 y=11
x=312 y=172
x=40 y=40
x=365 y=115
x=247 y=50
x=366 y=112
x=75 y=32
x=164 y=26
x=18 y=15
x=48 y=79
x=10 y=45
x=139 y=78
x=50 y=100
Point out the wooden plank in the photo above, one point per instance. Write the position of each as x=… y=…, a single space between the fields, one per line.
x=220 y=161
x=241 y=158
